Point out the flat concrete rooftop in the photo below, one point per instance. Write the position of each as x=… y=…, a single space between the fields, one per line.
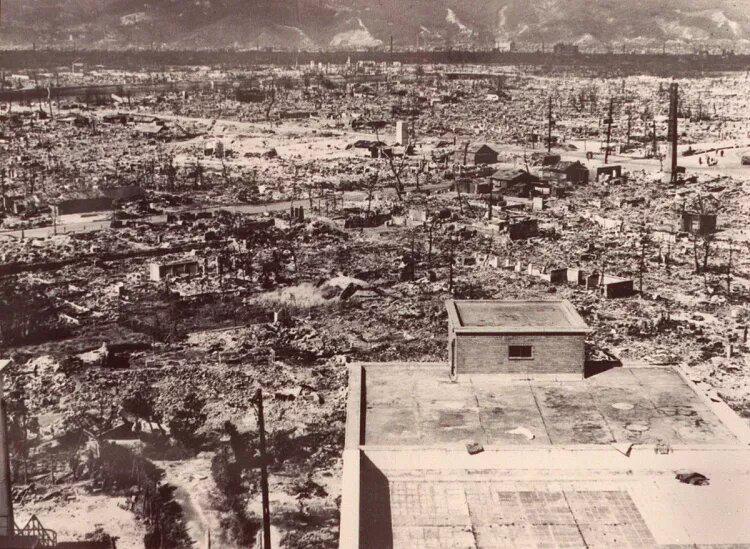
x=585 y=463
x=482 y=509
x=420 y=406
x=544 y=315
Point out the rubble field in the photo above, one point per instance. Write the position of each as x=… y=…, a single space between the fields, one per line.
x=164 y=256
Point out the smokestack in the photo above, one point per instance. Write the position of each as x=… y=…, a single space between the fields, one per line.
x=673 y=103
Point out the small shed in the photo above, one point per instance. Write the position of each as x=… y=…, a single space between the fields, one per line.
x=614 y=287
x=698 y=223
x=476 y=154
x=571 y=172
x=515 y=179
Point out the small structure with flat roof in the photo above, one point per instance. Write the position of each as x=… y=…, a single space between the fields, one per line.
x=516 y=337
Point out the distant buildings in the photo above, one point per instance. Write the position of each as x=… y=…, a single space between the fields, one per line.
x=505 y=46
x=566 y=49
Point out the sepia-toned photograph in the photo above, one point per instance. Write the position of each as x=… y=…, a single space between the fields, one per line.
x=374 y=274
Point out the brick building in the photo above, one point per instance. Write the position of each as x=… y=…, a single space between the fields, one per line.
x=516 y=337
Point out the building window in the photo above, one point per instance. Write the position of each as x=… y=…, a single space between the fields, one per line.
x=520 y=352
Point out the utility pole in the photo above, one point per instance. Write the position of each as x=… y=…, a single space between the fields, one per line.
x=263 y=471
x=655 y=144
x=673 y=103
x=49 y=101
x=609 y=130
x=642 y=264
x=490 y=201
x=549 y=126
x=450 y=265
x=729 y=269
x=630 y=121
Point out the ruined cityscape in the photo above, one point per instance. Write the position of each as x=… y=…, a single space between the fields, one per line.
x=377 y=295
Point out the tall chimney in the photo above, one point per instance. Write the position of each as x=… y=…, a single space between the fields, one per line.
x=673 y=102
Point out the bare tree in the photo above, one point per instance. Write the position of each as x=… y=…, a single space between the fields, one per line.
x=458 y=182
x=270 y=102
x=729 y=268
x=645 y=242
x=226 y=174
x=430 y=227
x=707 y=241
x=490 y=201
x=397 y=170
x=170 y=170
x=420 y=170
x=371 y=185
x=198 y=172
x=695 y=238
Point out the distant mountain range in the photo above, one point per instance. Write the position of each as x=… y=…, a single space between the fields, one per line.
x=325 y=24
